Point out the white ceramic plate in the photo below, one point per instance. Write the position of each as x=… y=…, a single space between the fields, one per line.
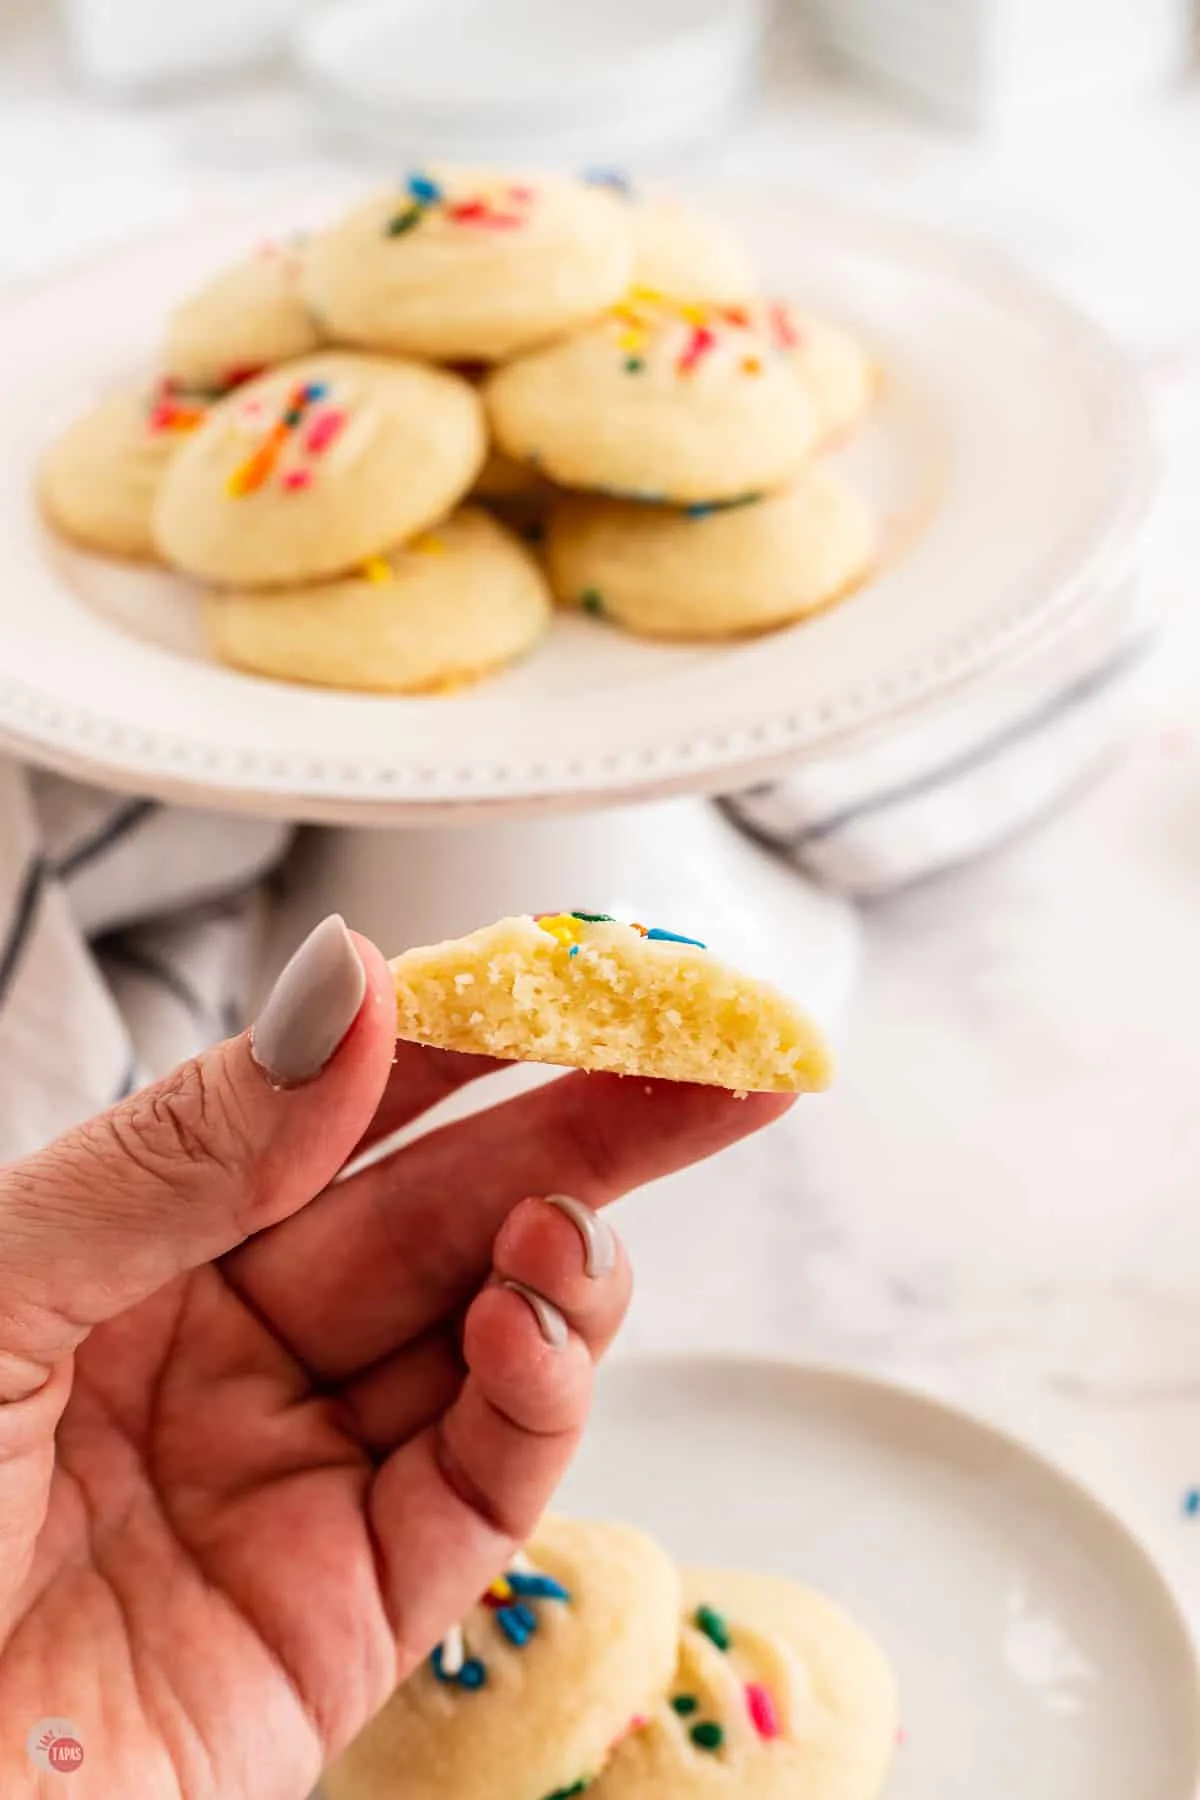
x=1008 y=456
x=1040 y=1655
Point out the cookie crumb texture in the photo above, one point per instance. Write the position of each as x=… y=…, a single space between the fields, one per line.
x=590 y=992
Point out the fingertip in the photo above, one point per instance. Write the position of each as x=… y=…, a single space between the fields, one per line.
x=525 y=1359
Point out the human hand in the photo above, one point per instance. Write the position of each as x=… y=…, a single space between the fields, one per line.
x=263 y=1439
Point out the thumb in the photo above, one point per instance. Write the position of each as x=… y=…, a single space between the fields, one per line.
x=231 y=1142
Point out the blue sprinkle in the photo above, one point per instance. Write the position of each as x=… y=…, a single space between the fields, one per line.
x=1191 y=1504
x=517 y=1623
x=472 y=1674
x=538 y=1587
x=316 y=390
x=573 y=951
x=701 y=510
x=424 y=189
x=673 y=937
x=609 y=178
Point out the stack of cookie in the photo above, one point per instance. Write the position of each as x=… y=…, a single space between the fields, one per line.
x=587 y=368
x=595 y=1665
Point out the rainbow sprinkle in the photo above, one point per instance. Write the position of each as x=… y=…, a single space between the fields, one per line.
x=564 y=928
x=707 y=1735
x=504 y=211
x=507 y=1599
x=260 y=465
x=761 y=1708
x=711 y=1622
x=377 y=570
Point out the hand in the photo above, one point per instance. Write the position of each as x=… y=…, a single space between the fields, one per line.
x=259 y=1450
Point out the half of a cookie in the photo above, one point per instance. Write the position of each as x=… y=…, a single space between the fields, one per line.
x=586 y=991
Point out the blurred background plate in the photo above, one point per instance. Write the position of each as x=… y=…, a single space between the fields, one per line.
x=1039 y=1652
x=1008 y=456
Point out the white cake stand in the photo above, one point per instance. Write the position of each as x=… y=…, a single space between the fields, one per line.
x=1008 y=457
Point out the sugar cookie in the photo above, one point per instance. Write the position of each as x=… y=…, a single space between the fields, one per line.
x=468 y=263
x=680 y=249
x=658 y=401
x=710 y=572
x=777 y=1696
x=98 y=480
x=451 y=605
x=586 y=991
x=834 y=369
x=245 y=320
x=529 y=1695
x=313 y=468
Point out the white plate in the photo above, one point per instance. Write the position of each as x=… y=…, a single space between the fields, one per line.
x=1009 y=457
x=1040 y=1654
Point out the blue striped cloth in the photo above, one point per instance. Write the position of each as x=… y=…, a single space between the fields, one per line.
x=128 y=935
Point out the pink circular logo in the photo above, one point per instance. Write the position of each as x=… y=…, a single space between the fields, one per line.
x=66 y=1754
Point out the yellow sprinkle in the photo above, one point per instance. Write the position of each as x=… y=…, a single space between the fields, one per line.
x=429 y=545
x=501 y=1589
x=695 y=315
x=562 y=928
x=377 y=569
x=634 y=338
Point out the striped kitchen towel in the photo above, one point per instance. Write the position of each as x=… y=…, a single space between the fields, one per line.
x=128 y=933
x=969 y=771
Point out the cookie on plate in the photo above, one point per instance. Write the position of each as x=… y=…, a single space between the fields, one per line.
x=467 y=263
x=777 y=1695
x=834 y=368
x=588 y=992
x=529 y=1695
x=451 y=605
x=659 y=400
x=99 y=479
x=680 y=249
x=711 y=572
x=313 y=468
x=245 y=320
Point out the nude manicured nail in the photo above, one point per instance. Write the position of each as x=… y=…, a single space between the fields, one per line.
x=311 y=1007
x=550 y=1321
x=599 y=1243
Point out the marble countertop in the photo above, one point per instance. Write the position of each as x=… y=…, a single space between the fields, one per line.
x=1000 y=1201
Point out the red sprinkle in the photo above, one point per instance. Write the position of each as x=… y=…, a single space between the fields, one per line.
x=762 y=1710
x=324 y=428
x=478 y=212
x=700 y=343
x=785 y=331
x=297 y=478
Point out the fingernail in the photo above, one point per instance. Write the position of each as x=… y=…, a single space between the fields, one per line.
x=311 y=1007
x=551 y=1323
x=599 y=1243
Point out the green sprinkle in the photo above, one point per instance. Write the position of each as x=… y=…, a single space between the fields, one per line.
x=713 y=1626
x=634 y=365
x=685 y=1705
x=708 y=1735
x=404 y=221
x=595 y=918
x=592 y=601
x=568 y=1793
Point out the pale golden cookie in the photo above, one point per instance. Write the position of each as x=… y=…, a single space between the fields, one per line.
x=532 y=1692
x=311 y=469
x=777 y=1695
x=711 y=572
x=470 y=263
x=690 y=254
x=245 y=320
x=834 y=369
x=99 y=479
x=657 y=401
x=450 y=606
x=588 y=992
